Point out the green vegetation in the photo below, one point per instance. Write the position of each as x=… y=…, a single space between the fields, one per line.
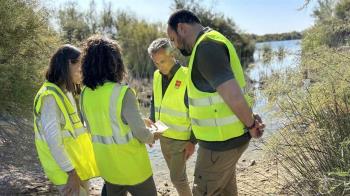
x=277 y=36
x=132 y=33
x=244 y=44
x=135 y=36
x=332 y=28
x=267 y=53
x=313 y=148
x=281 y=53
x=27 y=42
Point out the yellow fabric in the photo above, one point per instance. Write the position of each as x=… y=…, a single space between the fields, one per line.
x=211 y=117
x=120 y=157
x=170 y=108
x=77 y=142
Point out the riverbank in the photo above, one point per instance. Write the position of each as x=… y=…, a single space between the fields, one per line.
x=21 y=173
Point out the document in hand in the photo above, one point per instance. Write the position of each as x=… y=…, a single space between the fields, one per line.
x=159 y=126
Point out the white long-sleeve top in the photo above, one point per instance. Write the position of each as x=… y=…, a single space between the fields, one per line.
x=52 y=120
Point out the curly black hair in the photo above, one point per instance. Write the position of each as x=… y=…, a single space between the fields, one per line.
x=101 y=62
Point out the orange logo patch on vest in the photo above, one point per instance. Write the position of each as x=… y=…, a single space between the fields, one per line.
x=177 y=84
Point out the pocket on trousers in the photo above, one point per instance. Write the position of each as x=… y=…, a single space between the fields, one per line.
x=214 y=157
x=199 y=186
x=205 y=187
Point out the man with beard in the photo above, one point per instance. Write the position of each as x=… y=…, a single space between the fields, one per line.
x=220 y=110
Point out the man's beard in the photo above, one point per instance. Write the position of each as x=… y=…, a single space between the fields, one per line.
x=184 y=52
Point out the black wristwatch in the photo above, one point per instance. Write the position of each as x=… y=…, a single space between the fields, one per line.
x=253 y=125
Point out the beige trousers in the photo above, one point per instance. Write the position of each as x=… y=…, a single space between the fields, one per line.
x=173 y=152
x=215 y=172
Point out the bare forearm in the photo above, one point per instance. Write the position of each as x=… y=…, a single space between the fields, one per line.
x=233 y=97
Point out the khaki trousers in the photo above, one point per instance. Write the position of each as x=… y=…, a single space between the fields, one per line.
x=215 y=172
x=173 y=152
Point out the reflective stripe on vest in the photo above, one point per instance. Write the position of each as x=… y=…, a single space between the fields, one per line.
x=121 y=158
x=75 y=139
x=171 y=112
x=116 y=138
x=212 y=119
x=213 y=122
x=74 y=118
x=65 y=134
x=167 y=107
x=81 y=103
x=207 y=101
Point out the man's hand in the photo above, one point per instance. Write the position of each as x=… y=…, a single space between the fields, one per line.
x=189 y=150
x=258 y=129
x=148 y=122
x=258 y=118
x=73 y=184
x=156 y=135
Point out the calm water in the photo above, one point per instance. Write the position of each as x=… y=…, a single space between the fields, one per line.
x=260 y=70
x=263 y=69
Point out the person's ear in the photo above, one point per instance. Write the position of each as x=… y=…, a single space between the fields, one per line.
x=181 y=29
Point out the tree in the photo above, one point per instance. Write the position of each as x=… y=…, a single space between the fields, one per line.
x=26 y=43
x=135 y=35
x=324 y=10
x=244 y=44
x=91 y=18
x=342 y=10
x=107 y=22
x=332 y=28
x=73 y=25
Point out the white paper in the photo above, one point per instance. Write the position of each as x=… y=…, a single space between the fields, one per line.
x=159 y=127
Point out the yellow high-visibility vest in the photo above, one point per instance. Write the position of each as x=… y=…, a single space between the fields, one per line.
x=76 y=140
x=120 y=157
x=170 y=108
x=211 y=118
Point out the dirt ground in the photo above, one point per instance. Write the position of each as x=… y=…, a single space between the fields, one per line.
x=21 y=173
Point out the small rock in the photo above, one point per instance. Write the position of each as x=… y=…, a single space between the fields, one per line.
x=252 y=163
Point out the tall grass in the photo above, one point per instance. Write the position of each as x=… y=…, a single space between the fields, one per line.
x=267 y=53
x=313 y=147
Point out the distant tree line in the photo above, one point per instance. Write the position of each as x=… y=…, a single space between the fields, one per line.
x=277 y=36
x=136 y=34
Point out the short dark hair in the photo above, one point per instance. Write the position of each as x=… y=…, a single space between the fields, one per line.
x=58 y=71
x=101 y=61
x=182 y=16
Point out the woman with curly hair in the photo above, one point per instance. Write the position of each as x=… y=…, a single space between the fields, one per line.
x=111 y=112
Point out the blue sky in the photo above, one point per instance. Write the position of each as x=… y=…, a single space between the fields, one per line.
x=252 y=16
